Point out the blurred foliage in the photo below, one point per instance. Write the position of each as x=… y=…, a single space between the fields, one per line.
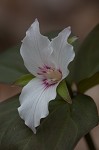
x=87 y=83
x=86 y=62
x=11 y=65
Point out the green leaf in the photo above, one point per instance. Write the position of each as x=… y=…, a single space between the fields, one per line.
x=86 y=62
x=62 y=90
x=61 y=130
x=85 y=118
x=23 y=80
x=72 y=39
x=88 y=83
x=11 y=65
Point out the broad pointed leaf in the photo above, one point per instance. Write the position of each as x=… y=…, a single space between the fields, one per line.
x=61 y=130
x=87 y=59
x=86 y=62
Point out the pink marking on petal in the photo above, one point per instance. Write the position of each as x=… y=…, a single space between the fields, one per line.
x=51 y=76
x=47 y=67
x=44 y=71
x=40 y=68
x=60 y=71
x=44 y=79
x=39 y=73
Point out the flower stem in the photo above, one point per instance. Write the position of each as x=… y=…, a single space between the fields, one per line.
x=90 y=142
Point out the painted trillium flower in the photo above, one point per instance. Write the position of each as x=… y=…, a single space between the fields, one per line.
x=48 y=62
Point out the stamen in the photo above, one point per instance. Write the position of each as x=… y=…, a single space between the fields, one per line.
x=51 y=75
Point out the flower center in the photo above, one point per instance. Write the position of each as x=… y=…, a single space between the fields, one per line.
x=51 y=75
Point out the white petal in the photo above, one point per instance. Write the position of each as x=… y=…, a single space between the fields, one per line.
x=34 y=101
x=63 y=52
x=35 y=49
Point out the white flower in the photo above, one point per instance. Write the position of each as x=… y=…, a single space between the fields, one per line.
x=48 y=61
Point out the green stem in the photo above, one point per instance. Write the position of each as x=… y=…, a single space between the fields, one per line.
x=90 y=142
